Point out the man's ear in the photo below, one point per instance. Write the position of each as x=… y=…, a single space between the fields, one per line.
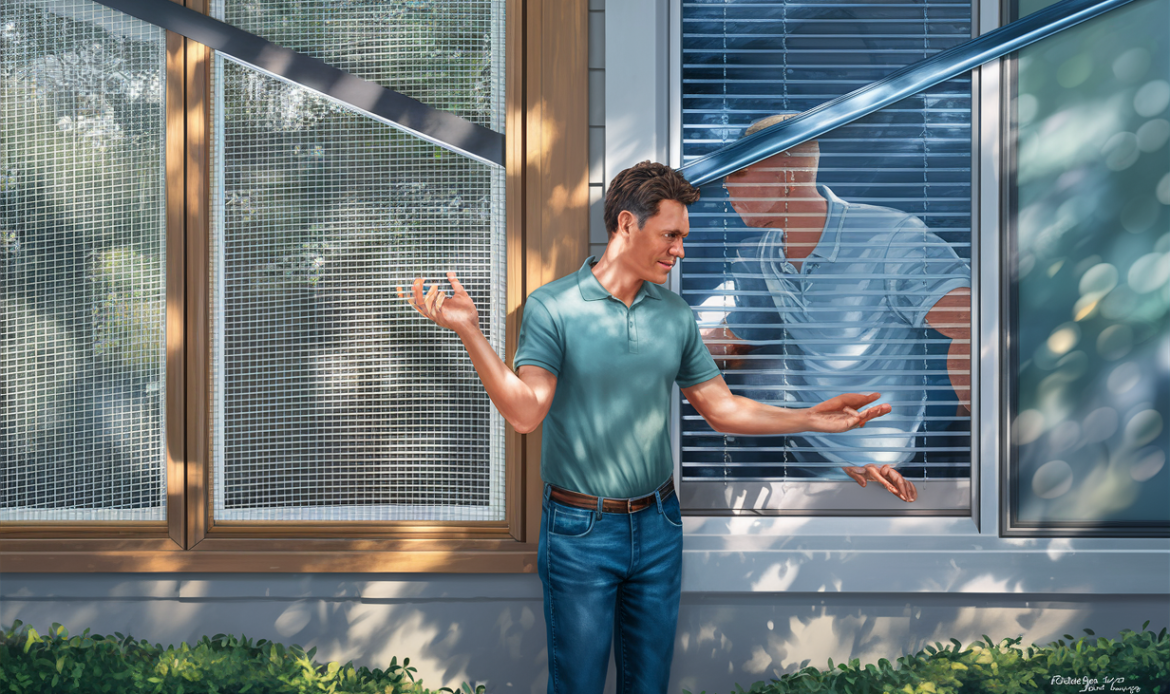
x=626 y=221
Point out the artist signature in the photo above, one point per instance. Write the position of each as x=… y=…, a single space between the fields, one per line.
x=1092 y=684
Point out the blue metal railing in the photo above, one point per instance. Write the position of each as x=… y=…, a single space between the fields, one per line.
x=904 y=83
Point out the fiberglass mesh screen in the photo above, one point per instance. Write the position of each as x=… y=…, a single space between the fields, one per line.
x=82 y=264
x=333 y=399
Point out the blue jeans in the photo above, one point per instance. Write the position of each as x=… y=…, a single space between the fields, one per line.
x=603 y=571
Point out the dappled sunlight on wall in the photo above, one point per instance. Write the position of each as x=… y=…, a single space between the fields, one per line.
x=490 y=629
x=726 y=639
x=449 y=636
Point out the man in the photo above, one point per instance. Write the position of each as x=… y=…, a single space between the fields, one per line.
x=853 y=286
x=598 y=354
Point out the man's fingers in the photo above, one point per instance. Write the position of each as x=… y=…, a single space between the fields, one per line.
x=430 y=298
x=906 y=491
x=909 y=491
x=888 y=477
x=874 y=412
x=439 y=304
x=857 y=473
x=856 y=400
x=416 y=290
x=898 y=481
x=409 y=298
x=876 y=475
x=455 y=285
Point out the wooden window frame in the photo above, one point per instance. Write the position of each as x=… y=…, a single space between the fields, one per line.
x=547 y=188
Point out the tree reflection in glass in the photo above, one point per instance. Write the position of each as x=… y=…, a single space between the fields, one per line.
x=1092 y=273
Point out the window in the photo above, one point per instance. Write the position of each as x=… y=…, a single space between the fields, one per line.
x=839 y=266
x=332 y=399
x=205 y=260
x=1089 y=282
x=83 y=265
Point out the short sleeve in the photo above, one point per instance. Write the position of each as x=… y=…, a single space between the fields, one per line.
x=540 y=341
x=921 y=268
x=697 y=365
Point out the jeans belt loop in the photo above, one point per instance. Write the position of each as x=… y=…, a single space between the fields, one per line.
x=600 y=501
x=658 y=498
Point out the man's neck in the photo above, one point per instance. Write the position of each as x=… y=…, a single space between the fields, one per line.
x=803 y=223
x=616 y=279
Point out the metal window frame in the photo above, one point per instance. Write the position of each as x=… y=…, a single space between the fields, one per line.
x=849 y=500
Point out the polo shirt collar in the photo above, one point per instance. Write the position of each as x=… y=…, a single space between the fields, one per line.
x=830 y=242
x=591 y=289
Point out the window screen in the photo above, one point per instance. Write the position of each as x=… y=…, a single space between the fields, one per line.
x=82 y=264
x=819 y=271
x=333 y=399
x=1089 y=264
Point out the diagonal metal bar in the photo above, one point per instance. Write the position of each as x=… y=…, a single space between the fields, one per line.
x=442 y=128
x=901 y=84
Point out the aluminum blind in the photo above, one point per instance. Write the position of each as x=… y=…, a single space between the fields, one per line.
x=333 y=399
x=744 y=61
x=82 y=264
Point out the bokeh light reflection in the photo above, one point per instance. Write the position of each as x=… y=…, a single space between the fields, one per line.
x=1092 y=272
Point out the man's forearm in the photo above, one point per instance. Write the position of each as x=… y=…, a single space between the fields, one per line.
x=514 y=398
x=745 y=417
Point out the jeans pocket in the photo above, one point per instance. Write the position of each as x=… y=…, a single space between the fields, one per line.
x=672 y=511
x=567 y=521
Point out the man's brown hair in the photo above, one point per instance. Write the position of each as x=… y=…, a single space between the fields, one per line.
x=641 y=188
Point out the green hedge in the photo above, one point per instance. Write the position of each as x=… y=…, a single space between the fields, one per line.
x=1133 y=663
x=59 y=663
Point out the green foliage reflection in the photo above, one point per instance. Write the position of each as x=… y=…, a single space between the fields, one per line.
x=1092 y=271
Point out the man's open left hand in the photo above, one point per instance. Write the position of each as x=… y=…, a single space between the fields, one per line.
x=843 y=413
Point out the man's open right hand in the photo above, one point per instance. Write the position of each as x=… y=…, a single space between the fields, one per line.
x=455 y=312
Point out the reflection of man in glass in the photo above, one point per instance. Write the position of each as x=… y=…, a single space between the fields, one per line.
x=853 y=286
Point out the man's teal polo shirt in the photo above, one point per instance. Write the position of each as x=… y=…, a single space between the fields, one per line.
x=607 y=431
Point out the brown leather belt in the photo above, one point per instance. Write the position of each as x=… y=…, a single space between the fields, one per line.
x=570 y=498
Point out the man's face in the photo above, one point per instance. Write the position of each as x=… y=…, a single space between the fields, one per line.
x=658 y=245
x=762 y=192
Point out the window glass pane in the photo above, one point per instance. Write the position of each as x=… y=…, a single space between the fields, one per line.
x=840 y=266
x=1090 y=264
x=332 y=398
x=82 y=264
